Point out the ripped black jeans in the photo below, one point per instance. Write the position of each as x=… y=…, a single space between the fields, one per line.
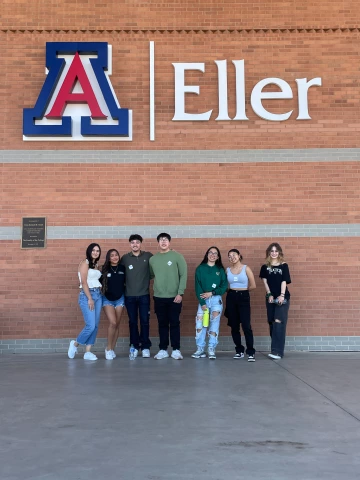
x=277 y=329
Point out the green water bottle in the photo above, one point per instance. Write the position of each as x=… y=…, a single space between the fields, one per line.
x=206 y=318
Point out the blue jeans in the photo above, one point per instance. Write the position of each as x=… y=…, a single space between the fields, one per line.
x=134 y=306
x=277 y=329
x=91 y=317
x=114 y=303
x=214 y=304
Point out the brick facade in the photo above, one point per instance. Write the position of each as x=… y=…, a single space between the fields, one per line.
x=208 y=175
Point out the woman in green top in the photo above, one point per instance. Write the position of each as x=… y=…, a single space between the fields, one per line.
x=210 y=285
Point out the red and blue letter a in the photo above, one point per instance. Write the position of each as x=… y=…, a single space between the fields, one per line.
x=38 y=122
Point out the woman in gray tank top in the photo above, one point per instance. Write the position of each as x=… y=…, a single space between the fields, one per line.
x=241 y=281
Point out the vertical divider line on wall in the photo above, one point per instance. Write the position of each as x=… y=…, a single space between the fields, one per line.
x=152 y=91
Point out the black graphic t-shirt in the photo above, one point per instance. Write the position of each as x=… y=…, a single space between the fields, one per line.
x=274 y=275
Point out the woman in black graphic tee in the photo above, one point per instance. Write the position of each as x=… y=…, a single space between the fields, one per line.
x=276 y=276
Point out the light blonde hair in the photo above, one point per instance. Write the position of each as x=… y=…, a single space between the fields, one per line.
x=278 y=248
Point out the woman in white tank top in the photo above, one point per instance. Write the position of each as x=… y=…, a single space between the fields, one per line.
x=90 y=302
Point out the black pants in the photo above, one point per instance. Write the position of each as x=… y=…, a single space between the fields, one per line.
x=238 y=312
x=277 y=329
x=168 y=315
x=139 y=306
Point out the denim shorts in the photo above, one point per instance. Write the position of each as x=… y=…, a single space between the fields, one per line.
x=114 y=303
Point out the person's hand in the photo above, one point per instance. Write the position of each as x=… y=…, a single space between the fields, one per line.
x=205 y=295
x=280 y=300
x=271 y=299
x=178 y=299
x=91 y=304
x=204 y=307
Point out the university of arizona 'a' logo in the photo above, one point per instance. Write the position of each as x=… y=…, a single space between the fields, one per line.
x=77 y=100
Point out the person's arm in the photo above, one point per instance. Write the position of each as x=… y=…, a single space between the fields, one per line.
x=285 y=280
x=263 y=276
x=182 y=269
x=198 y=288
x=84 y=268
x=152 y=274
x=123 y=275
x=269 y=297
x=280 y=299
x=250 y=275
x=224 y=283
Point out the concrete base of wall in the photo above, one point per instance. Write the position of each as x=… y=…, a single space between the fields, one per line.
x=60 y=345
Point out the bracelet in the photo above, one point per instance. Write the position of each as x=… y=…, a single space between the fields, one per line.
x=269 y=295
x=282 y=294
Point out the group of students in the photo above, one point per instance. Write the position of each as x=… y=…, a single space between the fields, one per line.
x=124 y=282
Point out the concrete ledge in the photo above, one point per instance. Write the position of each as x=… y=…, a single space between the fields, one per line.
x=310 y=344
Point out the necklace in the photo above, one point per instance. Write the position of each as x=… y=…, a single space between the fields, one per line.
x=114 y=271
x=237 y=270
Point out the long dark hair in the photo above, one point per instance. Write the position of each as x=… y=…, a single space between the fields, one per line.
x=218 y=261
x=106 y=268
x=89 y=252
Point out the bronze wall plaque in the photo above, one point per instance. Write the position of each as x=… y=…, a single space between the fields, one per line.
x=33 y=232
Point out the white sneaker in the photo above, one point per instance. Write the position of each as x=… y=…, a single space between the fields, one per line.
x=136 y=352
x=274 y=356
x=109 y=355
x=72 y=349
x=176 y=355
x=146 y=353
x=113 y=353
x=200 y=353
x=161 y=354
x=90 y=356
x=211 y=353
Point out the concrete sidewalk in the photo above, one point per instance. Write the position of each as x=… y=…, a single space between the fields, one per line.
x=298 y=418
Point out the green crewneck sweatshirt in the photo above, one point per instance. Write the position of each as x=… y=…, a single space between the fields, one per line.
x=210 y=279
x=169 y=271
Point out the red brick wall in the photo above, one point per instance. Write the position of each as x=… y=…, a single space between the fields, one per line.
x=174 y=194
x=39 y=288
x=333 y=107
x=171 y=14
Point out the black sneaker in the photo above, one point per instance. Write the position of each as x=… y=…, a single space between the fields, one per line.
x=251 y=358
x=239 y=355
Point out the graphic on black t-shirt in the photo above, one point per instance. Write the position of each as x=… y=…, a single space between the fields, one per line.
x=274 y=276
x=275 y=270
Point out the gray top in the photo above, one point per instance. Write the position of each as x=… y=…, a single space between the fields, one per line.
x=137 y=273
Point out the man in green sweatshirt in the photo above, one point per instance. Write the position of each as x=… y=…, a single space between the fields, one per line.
x=169 y=271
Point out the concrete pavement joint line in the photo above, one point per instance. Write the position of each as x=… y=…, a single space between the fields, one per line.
x=316 y=390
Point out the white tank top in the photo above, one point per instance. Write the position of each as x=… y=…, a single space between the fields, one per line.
x=92 y=277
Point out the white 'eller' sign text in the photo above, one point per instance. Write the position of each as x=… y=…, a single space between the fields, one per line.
x=257 y=94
